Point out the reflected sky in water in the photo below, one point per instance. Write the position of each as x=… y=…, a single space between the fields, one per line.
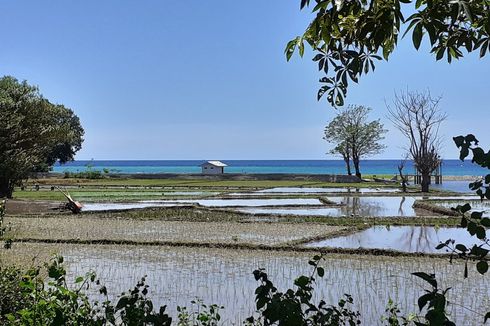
x=98 y=207
x=253 y=202
x=399 y=238
x=308 y=190
x=456 y=186
x=476 y=205
x=351 y=206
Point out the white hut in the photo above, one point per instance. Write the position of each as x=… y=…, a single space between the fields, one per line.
x=213 y=167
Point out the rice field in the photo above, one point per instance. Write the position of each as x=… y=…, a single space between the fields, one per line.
x=204 y=239
x=399 y=238
x=160 y=231
x=223 y=276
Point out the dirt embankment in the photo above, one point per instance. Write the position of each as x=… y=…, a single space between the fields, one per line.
x=227 y=176
x=17 y=207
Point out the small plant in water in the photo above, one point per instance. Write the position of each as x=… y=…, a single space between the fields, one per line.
x=202 y=314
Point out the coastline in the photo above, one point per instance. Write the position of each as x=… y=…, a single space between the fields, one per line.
x=254 y=176
x=380 y=168
x=469 y=178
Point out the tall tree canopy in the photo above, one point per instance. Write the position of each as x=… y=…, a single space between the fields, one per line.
x=349 y=36
x=354 y=136
x=34 y=133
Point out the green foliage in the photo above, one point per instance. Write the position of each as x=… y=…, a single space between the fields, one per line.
x=474 y=222
x=434 y=302
x=89 y=174
x=53 y=302
x=134 y=308
x=349 y=36
x=4 y=228
x=29 y=299
x=354 y=136
x=295 y=307
x=393 y=317
x=34 y=133
x=202 y=314
x=11 y=297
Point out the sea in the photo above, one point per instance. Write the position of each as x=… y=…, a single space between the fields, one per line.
x=374 y=167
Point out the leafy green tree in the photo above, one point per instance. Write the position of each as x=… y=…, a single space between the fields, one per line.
x=349 y=36
x=354 y=136
x=34 y=133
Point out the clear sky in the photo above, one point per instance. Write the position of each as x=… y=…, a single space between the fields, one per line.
x=208 y=79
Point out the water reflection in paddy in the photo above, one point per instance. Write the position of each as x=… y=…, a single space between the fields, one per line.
x=454 y=185
x=476 y=205
x=399 y=238
x=352 y=206
x=307 y=190
x=252 y=202
x=178 y=275
x=93 y=207
x=189 y=193
x=97 y=207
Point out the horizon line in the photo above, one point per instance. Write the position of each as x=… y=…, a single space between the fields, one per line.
x=278 y=159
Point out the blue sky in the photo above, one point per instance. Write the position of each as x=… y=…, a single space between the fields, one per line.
x=208 y=79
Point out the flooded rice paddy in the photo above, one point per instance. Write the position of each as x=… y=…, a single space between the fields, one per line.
x=454 y=185
x=341 y=206
x=476 y=205
x=350 y=206
x=91 y=207
x=309 y=190
x=178 y=275
x=399 y=238
x=253 y=202
x=96 y=207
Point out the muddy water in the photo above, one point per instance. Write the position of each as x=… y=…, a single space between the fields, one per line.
x=400 y=238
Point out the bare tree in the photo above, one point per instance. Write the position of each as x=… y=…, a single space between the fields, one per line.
x=418 y=116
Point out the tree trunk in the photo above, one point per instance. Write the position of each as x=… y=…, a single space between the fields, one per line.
x=356 y=167
x=404 y=185
x=425 y=182
x=404 y=180
x=347 y=164
x=6 y=189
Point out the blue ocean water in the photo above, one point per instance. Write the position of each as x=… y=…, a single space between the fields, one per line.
x=449 y=167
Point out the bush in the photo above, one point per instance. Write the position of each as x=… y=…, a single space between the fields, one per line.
x=89 y=174
x=11 y=296
x=29 y=299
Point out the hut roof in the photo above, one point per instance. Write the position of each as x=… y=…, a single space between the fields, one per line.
x=214 y=163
